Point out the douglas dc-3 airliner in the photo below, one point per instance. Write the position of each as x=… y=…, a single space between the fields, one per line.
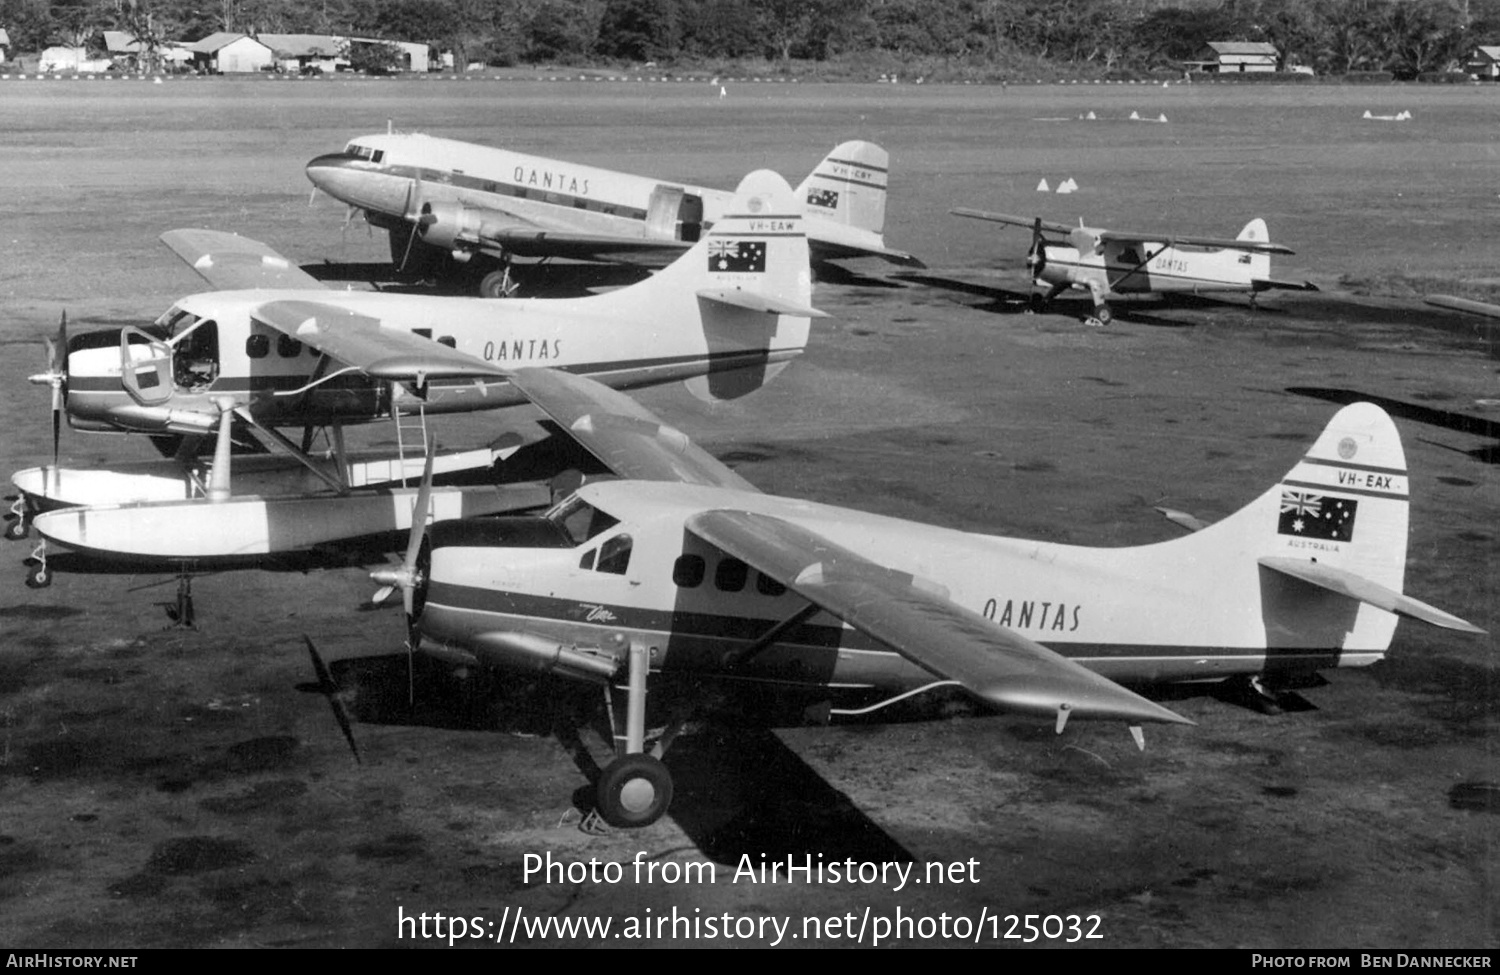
x=682 y=576
x=725 y=318
x=1107 y=263
x=451 y=202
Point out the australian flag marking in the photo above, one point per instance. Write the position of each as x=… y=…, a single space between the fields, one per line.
x=1322 y=516
x=737 y=255
x=823 y=198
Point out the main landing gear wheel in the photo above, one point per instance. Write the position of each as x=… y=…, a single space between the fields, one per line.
x=498 y=284
x=1102 y=316
x=17 y=530
x=633 y=791
x=38 y=576
x=1036 y=304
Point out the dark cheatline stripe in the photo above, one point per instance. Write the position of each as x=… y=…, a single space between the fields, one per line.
x=710 y=625
x=850 y=181
x=1355 y=467
x=855 y=165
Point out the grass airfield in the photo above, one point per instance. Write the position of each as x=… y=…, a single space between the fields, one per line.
x=172 y=788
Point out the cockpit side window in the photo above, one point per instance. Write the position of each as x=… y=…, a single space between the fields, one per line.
x=365 y=152
x=614 y=555
x=580 y=520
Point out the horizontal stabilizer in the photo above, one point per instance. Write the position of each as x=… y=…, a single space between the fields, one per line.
x=755 y=301
x=1281 y=284
x=1359 y=588
x=1183 y=520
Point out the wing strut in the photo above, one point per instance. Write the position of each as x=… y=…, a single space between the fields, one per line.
x=736 y=657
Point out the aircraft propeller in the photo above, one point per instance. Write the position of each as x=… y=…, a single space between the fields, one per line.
x=1036 y=256
x=56 y=376
x=409 y=575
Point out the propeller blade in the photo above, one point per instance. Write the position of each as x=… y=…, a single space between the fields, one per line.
x=330 y=690
x=418 y=532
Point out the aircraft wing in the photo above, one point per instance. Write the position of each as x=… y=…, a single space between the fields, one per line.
x=230 y=262
x=628 y=438
x=996 y=664
x=360 y=341
x=531 y=241
x=1006 y=218
x=1217 y=243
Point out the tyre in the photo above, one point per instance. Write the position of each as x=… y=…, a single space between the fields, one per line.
x=633 y=791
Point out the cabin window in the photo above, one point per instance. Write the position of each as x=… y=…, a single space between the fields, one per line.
x=614 y=555
x=288 y=347
x=587 y=562
x=448 y=340
x=426 y=333
x=731 y=574
x=1129 y=256
x=688 y=571
x=258 y=346
x=767 y=586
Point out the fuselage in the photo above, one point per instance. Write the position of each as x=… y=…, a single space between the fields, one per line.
x=386 y=175
x=209 y=346
x=1120 y=267
x=620 y=566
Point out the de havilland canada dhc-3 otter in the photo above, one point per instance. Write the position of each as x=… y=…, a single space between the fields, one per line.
x=447 y=204
x=284 y=351
x=1109 y=263
x=682 y=576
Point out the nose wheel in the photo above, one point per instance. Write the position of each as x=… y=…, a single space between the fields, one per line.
x=635 y=789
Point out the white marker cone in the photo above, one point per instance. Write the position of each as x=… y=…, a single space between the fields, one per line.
x=1042 y=187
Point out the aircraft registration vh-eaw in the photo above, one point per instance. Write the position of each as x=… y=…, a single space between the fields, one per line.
x=476 y=206
x=725 y=318
x=1108 y=263
x=682 y=575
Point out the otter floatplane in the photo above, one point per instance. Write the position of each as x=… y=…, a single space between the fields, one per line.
x=449 y=204
x=685 y=572
x=724 y=318
x=1108 y=263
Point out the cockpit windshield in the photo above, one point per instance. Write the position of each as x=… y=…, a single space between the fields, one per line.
x=580 y=520
x=364 y=152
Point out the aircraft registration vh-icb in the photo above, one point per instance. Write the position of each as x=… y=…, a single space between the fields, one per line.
x=480 y=206
x=682 y=575
x=1108 y=263
x=285 y=351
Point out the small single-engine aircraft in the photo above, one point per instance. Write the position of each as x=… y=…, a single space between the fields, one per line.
x=1108 y=263
x=726 y=317
x=477 y=207
x=684 y=572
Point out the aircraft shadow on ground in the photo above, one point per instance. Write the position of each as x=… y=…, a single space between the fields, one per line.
x=1460 y=422
x=737 y=790
x=825 y=273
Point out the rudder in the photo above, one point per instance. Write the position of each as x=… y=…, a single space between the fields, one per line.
x=848 y=187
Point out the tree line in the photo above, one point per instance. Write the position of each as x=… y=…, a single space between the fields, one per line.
x=991 y=37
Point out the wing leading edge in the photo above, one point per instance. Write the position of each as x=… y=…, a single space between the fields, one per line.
x=628 y=438
x=361 y=341
x=230 y=262
x=918 y=621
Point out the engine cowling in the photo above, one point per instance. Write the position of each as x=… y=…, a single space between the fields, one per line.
x=451 y=226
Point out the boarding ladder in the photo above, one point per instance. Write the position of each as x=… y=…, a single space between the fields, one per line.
x=411 y=438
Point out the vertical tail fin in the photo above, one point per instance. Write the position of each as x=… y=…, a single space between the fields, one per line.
x=844 y=202
x=848 y=187
x=1340 y=512
x=1260 y=264
x=745 y=290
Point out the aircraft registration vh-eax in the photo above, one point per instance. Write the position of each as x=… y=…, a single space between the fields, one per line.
x=725 y=317
x=684 y=572
x=1107 y=263
x=476 y=206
